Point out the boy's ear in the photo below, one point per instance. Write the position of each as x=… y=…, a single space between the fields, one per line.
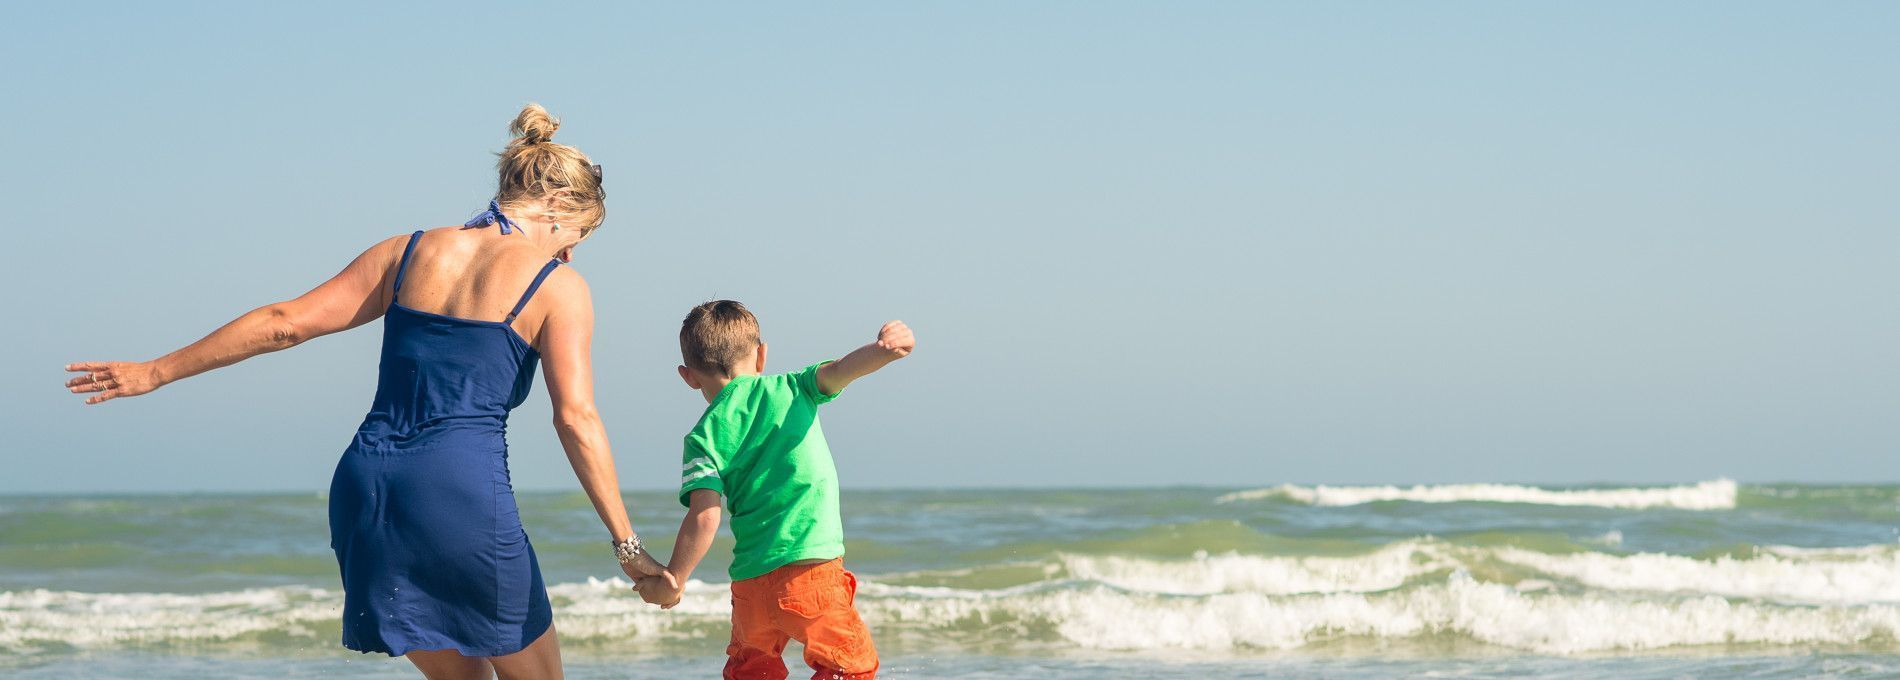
x=760 y=368
x=686 y=374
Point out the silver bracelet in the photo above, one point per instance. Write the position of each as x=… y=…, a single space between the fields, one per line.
x=629 y=550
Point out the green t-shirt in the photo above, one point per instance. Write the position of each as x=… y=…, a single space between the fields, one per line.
x=759 y=445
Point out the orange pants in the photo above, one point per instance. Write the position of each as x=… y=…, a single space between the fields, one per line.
x=810 y=603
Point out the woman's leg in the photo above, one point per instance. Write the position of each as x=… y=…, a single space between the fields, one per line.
x=448 y=664
x=541 y=660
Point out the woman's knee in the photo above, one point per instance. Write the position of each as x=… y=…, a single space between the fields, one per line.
x=540 y=660
x=447 y=664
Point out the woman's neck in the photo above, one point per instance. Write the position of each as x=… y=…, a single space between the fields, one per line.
x=542 y=232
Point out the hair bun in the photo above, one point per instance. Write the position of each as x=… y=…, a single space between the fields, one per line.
x=534 y=125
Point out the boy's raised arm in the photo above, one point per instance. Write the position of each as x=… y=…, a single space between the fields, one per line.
x=894 y=341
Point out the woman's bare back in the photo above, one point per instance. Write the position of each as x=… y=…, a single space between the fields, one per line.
x=475 y=274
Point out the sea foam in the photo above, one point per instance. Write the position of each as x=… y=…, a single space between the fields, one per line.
x=1102 y=617
x=1836 y=576
x=1414 y=589
x=36 y=618
x=1388 y=567
x=1718 y=494
x=1843 y=575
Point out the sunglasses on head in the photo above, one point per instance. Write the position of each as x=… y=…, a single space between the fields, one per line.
x=595 y=169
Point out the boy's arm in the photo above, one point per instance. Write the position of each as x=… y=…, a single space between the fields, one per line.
x=695 y=538
x=894 y=341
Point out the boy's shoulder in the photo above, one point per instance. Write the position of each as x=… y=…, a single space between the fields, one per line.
x=776 y=390
x=756 y=398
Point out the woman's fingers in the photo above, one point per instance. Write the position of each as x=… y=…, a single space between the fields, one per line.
x=94 y=372
x=91 y=382
x=88 y=366
x=107 y=380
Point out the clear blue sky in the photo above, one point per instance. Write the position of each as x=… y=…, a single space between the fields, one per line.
x=1143 y=243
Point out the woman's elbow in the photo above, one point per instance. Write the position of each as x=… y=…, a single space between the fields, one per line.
x=281 y=330
x=576 y=418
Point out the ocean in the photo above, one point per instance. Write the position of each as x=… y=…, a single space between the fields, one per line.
x=1479 y=580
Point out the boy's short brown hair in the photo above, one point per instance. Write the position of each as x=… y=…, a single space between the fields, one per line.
x=717 y=335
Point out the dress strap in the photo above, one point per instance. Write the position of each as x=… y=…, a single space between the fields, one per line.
x=546 y=269
x=404 y=265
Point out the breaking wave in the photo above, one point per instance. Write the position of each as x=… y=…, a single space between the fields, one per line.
x=1864 y=575
x=1718 y=494
x=1415 y=589
x=1383 y=569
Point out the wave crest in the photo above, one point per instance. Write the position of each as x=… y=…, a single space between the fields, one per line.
x=1101 y=617
x=42 y=618
x=1718 y=494
x=1415 y=590
x=1860 y=575
x=1383 y=569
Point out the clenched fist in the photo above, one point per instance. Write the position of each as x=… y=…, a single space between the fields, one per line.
x=895 y=337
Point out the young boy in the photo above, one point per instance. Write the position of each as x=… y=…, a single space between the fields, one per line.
x=758 y=445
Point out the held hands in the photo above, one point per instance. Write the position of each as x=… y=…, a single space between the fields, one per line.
x=664 y=589
x=642 y=566
x=655 y=584
x=895 y=337
x=113 y=379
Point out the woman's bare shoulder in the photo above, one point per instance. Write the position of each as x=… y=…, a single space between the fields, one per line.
x=380 y=257
x=565 y=286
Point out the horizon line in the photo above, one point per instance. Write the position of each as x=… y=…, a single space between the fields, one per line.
x=5 y=493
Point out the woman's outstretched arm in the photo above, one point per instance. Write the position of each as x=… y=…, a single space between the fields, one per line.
x=566 y=344
x=351 y=298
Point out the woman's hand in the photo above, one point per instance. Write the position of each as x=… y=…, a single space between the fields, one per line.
x=113 y=379
x=642 y=567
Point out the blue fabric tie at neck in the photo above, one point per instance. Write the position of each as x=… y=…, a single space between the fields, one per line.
x=491 y=216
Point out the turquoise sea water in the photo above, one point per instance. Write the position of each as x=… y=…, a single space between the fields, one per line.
x=1700 y=579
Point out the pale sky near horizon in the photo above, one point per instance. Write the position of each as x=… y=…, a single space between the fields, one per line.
x=1233 y=244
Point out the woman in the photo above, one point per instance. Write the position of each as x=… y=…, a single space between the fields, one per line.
x=435 y=564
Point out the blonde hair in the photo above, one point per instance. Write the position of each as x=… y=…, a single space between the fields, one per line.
x=534 y=169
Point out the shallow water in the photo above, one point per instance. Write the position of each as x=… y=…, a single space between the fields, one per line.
x=1701 y=579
